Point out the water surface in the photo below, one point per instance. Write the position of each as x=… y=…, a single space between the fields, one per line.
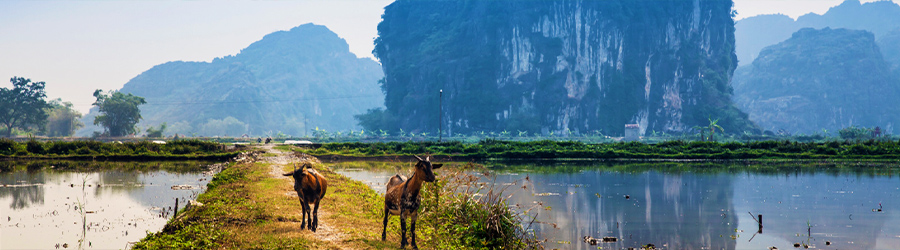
x=694 y=206
x=91 y=205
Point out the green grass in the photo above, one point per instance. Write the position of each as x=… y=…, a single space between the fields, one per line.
x=203 y=228
x=488 y=148
x=172 y=150
x=83 y=166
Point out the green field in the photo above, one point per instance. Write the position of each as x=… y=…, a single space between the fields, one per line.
x=675 y=150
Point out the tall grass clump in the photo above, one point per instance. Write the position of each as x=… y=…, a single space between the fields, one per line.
x=463 y=211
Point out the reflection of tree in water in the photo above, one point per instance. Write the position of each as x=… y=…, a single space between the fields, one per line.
x=674 y=211
x=116 y=181
x=27 y=179
x=23 y=194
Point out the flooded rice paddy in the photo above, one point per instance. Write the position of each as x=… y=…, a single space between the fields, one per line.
x=692 y=206
x=91 y=205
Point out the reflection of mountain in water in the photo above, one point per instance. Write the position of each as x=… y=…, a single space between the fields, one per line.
x=675 y=211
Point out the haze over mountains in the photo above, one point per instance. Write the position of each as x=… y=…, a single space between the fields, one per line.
x=752 y=34
x=555 y=67
x=288 y=82
x=819 y=80
x=825 y=77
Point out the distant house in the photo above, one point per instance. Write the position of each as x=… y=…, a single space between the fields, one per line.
x=632 y=132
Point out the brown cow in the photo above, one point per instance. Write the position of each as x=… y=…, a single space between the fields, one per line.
x=402 y=198
x=310 y=187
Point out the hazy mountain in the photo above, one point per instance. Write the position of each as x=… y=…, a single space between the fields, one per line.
x=890 y=49
x=558 y=66
x=289 y=82
x=754 y=33
x=819 y=79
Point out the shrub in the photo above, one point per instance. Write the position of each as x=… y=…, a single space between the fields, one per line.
x=485 y=221
x=84 y=150
x=7 y=146
x=35 y=147
x=855 y=133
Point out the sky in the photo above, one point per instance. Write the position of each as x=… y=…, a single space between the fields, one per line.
x=79 y=46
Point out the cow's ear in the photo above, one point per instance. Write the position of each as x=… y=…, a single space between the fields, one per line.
x=437 y=165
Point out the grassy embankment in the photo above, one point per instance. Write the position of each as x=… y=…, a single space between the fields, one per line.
x=245 y=208
x=142 y=150
x=871 y=149
x=85 y=165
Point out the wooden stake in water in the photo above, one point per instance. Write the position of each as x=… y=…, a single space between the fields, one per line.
x=175 y=215
x=760 y=223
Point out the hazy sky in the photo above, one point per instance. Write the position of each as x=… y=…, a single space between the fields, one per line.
x=79 y=46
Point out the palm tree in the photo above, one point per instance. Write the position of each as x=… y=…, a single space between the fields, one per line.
x=713 y=126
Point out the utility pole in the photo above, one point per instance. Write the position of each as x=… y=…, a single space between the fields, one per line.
x=441 y=116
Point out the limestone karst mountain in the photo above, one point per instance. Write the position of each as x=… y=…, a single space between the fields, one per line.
x=289 y=82
x=557 y=66
x=819 y=79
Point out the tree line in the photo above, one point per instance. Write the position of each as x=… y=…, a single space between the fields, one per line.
x=24 y=108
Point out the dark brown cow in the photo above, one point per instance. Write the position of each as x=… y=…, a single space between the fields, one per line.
x=310 y=187
x=402 y=198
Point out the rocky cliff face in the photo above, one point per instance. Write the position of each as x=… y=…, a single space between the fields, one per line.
x=559 y=66
x=819 y=79
x=289 y=82
x=890 y=49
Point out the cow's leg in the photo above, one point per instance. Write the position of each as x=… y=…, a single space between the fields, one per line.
x=403 y=228
x=414 y=215
x=315 y=217
x=384 y=223
x=305 y=218
x=303 y=214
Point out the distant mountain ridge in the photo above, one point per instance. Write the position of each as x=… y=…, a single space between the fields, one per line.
x=755 y=33
x=288 y=82
x=819 y=79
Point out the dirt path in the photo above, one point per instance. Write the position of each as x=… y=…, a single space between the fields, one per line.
x=251 y=205
x=277 y=160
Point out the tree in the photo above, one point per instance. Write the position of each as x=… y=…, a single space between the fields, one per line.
x=118 y=112
x=377 y=119
x=713 y=126
x=154 y=132
x=23 y=105
x=62 y=119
